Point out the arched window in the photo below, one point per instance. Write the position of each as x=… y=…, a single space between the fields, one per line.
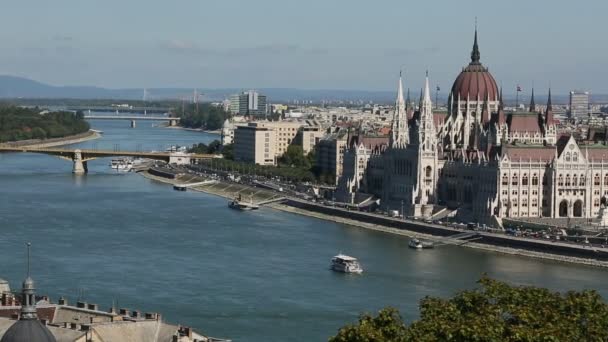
x=596 y=179
x=514 y=205
x=534 y=202
x=567 y=156
x=582 y=180
x=534 y=179
x=514 y=179
x=524 y=202
x=524 y=179
x=574 y=157
x=574 y=180
x=606 y=179
x=505 y=179
x=428 y=171
x=567 y=180
x=560 y=180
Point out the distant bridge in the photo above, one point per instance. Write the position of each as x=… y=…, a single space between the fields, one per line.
x=133 y=118
x=80 y=157
x=120 y=109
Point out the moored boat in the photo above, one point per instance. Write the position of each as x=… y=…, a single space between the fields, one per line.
x=239 y=204
x=122 y=164
x=418 y=244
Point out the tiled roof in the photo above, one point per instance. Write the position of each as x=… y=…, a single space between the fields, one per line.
x=534 y=153
x=524 y=123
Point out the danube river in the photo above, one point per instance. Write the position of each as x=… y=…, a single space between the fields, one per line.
x=250 y=276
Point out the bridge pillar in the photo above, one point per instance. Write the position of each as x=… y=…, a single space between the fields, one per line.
x=133 y=124
x=79 y=165
x=172 y=123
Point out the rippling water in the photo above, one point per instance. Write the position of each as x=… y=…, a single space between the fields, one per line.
x=249 y=276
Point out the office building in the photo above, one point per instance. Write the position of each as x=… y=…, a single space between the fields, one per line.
x=579 y=104
x=263 y=143
x=248 y=103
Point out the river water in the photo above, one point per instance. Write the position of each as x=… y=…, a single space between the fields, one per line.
x=250 y=276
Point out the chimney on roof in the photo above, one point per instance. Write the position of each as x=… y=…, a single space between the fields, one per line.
x=62 y=301
x=81 y=304
x=123 y=312
x=93 y=307
x=135 y=314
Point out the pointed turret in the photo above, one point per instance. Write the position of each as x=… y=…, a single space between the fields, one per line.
x=427 y=134
x=549 y=120
x=532 y=104
x=485 y=111
x=475 y=56
x=399 y=130
x=500 y=100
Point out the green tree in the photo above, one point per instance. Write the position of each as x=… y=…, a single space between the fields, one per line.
x=496 y=311
x=294 y=156
x=228 y=151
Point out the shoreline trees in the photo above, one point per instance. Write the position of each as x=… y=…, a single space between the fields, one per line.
x=17 y=124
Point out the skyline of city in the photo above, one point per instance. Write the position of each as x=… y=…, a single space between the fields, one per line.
x=312 y=47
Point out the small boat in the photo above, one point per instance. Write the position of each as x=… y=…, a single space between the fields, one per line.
x=177 y=148
x=417 y=244
x=122 y=164
x=179 y=187
x=345 y=264
x=239 y=204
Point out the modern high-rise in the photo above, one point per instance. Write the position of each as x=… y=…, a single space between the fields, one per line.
x=248 y=103
x=579 y=104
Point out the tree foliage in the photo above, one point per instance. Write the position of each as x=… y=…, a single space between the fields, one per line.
x=496 y=311
x=18 y=123
x=294 y=157
x=207 y=116
x=214 y=147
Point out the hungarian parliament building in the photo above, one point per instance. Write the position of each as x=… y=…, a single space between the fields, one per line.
x=476 y=160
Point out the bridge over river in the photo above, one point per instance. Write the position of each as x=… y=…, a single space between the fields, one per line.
x=80 y=156
x=172 y=121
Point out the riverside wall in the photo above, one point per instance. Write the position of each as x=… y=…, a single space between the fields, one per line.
x=492 y=239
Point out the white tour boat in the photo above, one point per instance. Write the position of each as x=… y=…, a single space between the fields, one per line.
x=346 y=264
x=122 y=164
x=417 y=244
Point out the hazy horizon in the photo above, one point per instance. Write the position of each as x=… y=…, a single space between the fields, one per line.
x=356 y=45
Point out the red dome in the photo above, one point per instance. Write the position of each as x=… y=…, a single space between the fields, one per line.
x=475 y=80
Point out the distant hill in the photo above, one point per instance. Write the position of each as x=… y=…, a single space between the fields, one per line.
x=19 y=87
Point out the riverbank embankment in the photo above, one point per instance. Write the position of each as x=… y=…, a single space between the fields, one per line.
x=500 y=243
x=217 y=131
x=45 y=143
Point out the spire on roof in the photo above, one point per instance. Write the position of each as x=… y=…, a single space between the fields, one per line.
x=407 y=99
x=549 y=120
x=475 y=53
x=427 y=89
x=28 y=297
x=500 y=99
x=532 y=104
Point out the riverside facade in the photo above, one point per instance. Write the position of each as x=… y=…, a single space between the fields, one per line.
x=476 y=160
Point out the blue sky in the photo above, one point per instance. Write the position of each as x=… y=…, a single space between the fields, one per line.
x=314 y=44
